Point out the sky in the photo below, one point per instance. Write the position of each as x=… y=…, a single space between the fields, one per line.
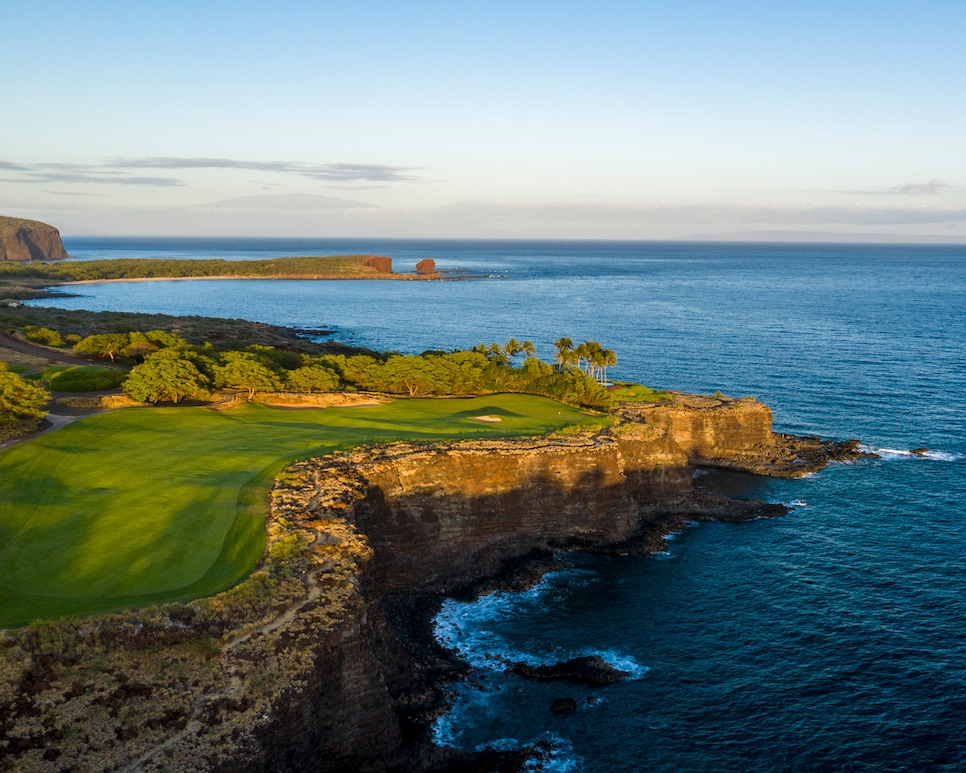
x=611 y=120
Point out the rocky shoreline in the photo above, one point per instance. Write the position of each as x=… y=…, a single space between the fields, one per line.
x=324 y=658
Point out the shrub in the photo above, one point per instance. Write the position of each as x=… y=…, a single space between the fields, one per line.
x=20 y=399
x=637 y=393
x=44 y=335
x=86 y=378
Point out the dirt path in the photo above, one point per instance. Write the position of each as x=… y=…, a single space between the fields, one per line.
x=7 y=341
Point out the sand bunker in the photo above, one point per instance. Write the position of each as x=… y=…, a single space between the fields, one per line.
x=485 y=418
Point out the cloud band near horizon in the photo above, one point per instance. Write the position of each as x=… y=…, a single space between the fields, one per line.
x=118 y=171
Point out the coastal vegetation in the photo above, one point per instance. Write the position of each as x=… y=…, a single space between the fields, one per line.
x=133 y=507
x=20 y=400
x=70 y=326
x=342 y=266
x=173 y=359
x=206 y=470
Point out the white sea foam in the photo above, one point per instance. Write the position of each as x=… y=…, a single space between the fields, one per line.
x=934 y=455
x=467 y=628
x=473 y=700
x=557 y=757
x=620 y=661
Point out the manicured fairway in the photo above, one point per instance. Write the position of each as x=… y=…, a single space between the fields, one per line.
x=161 y=504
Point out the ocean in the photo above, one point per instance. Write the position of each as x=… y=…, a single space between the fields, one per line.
x=831 y=639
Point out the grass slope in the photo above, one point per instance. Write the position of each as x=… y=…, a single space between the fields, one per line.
x=158 y=504
x=336 y=266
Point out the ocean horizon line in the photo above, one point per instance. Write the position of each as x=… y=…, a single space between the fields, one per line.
x=764 y=237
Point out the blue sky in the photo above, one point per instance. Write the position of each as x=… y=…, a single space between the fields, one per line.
x=539 y=119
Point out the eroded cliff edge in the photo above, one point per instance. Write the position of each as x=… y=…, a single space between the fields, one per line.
x=316 y=661
x=22 y=239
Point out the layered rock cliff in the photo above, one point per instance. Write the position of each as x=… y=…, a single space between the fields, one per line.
x=321 y=659
x=22 y=239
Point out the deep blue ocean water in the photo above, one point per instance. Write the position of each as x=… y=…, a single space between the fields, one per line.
x=832 y=639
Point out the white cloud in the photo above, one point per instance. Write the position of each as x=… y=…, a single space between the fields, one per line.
x=932 y=188
x=118 y=171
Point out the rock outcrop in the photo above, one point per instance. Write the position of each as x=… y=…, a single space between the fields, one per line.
x=426 y=266
x=380 y=263
x=323 y=659
x=586 y=669
x=22 y=240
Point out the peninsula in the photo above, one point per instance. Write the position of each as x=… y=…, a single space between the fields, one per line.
x=323 y=659
x=28 y=278
x=247 y=582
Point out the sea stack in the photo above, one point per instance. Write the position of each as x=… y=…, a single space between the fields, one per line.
x=26 y=240
x=380 y=263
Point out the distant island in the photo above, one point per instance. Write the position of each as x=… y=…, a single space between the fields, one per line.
x=25 y=240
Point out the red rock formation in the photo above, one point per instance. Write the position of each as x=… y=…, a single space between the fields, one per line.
x=380 y=263
x=426 y=266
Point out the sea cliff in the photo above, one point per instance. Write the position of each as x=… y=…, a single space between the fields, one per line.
x=22 y=240
x=323 y=660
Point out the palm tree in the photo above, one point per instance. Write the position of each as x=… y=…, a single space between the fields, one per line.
x=565 y=352
x=592 y=354
x=512 y=348
x=498 y=354
x=597 y=360
x=609 y=359
x=529 y=350
x=580 y=354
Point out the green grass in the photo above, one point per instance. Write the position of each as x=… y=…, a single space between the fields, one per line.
x=636 y=393
x=147 y=505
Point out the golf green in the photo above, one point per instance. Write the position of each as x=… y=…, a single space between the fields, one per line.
x=147 y=505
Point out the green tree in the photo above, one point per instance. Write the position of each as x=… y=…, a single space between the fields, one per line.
x=242 y=370
x=19 y=399
x=139 y=347
x=512 y=348
x=407 y=374
x=44 y=335
x=103 y=345
x=609 y=361
x=166 y=377
x=580 y=354
x=528 y=349
x=565 y=356
x=165 y=340
x=311 y=378
x=276 y=359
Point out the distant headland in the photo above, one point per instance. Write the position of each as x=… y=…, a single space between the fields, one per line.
x=24 y=240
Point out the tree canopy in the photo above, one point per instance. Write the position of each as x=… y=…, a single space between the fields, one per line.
x=19 y=399
x=166 y=377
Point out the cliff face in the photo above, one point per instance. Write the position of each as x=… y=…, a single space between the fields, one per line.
x=711 y=431
x=29 y=240
x=309 y=670
x=441 y=517
x=444 y=517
